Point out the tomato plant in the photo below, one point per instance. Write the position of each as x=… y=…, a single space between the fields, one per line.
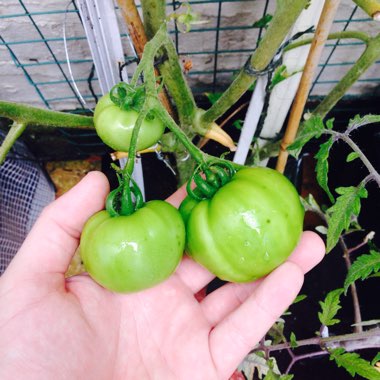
x=133 y=252
x=115 y=126
x=248 y=227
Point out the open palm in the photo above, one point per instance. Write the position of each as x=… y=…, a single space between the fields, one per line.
x=57 y=328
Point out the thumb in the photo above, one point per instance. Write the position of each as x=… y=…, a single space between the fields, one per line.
x=54 y=238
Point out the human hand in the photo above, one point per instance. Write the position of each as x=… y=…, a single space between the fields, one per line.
x=52 y=327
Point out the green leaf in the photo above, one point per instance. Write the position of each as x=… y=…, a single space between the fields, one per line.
x=311 y=128
x=352 y=156
x=362 y=268
x=354 y=364
x=293 y=340
x=339 y=215
x=375 y=359
x=238 y=124
x=299 y=298
x=322 y=167
x=263 y=22
x=213 y=96
x=279 y=75
x=359 y=121
x=330 y=307
x=276 y=332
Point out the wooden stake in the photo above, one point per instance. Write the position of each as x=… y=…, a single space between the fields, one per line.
x=320 y=37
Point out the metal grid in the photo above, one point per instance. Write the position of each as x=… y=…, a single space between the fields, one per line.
x=217 y=49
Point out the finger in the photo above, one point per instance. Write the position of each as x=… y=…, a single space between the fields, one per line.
x=176 y=198
x=217 y=305
x=193 y=275
x=234 y=336
x=54 y=238
x=309 y=251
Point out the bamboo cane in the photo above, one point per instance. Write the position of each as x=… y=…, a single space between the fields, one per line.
x=320 y=37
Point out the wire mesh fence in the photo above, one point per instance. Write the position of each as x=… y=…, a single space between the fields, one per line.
x=32 y=48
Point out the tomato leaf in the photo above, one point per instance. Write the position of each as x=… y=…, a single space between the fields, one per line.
x=263 y=22
x=322 y=167
x=375 y=359
x=354 y=364
x=213 y=96
x=293 y=340
x=352 y=156
x=311 y=128
x=299 y=298
x=362 y=268
x=279 y=75
x=339 y=215
x=330 y=307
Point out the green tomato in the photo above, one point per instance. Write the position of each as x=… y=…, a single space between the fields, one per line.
x=134 y=252
x=115 y=126
x=248 y=228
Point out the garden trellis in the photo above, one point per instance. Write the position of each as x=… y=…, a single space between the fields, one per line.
x=32 y=48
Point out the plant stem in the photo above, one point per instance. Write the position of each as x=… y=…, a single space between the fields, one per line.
x=343 y=136
x=351 y=342
x=28 y=115
x=368 y=57
x=354 y=292
x=371 y=7
x=296 y=358
x=14 y=133
x=139 y=39
x=170 y=69
x=285 y=16
x=321 y=34
x=351 y=34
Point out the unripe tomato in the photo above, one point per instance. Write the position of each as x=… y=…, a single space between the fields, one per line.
x=115 y=126
x=134 y=252
x=248 y=228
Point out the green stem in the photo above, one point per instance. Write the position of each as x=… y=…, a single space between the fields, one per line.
x=285 y=16
x=14 y=133
x=171 y=71
x=196 y=153
x=371 y=7
x=28 y=115
x=368 y=57
x=351 y=34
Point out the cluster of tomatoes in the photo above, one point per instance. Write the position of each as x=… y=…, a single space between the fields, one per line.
x=242 y=232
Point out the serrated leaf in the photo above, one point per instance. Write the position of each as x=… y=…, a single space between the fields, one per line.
x=310 y=204
x=279 y=75
x=263 y=22
x=293 y=340
x=254 y=362
x=330 y=307
x=352 y=156
x=274 y=376
x=276 y=332
x=322 y=167
x=375 y=359
x=362 y=268
x=299 y=298
x=330 y=123
x=359 y=121
x=339 y=215
x=354 y=364
x=311 y=128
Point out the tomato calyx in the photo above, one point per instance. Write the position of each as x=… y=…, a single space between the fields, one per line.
x=209 y=179
x=127 y=97
x=126 y=198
